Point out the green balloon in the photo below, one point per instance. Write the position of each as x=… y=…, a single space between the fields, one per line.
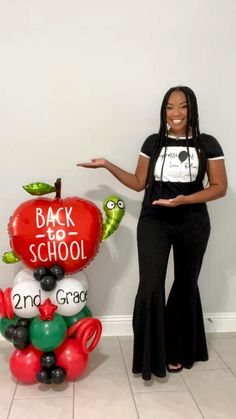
x=10 y=257
x=47 y=335
x=70 y=320
x=5 y=322
x=39 y=188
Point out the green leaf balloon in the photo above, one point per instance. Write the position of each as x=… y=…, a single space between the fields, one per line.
x=39 y=188
x=10 y=257
x=114 y=209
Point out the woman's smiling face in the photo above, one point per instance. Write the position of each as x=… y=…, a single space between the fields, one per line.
x=176 y=113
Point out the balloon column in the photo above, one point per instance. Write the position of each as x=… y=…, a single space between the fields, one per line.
x=44 y=314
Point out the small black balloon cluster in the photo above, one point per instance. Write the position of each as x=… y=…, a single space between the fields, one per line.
x=18 y=334
x=48 y=277
x=50 y=372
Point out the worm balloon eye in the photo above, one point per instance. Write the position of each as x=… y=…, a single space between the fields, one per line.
x=110 y=205
x=121 y=204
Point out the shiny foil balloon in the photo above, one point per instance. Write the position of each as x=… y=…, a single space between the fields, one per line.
x=45 y=232
x=114 y=208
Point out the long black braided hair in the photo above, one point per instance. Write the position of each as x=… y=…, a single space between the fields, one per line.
x=192 y=122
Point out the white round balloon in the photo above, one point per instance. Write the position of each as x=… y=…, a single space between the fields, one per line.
x=23 y=275
x=26 y=296
x=70 y=296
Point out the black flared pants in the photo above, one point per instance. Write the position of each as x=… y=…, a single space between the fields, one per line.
x=171 y=332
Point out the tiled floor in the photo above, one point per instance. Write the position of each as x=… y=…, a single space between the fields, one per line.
x=108 y=390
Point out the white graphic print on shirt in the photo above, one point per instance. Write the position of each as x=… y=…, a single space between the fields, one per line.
x=176 y=166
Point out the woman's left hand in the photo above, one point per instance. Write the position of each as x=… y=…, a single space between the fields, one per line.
x=174 y=202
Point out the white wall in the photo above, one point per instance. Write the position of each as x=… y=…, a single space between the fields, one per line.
x=81 y=79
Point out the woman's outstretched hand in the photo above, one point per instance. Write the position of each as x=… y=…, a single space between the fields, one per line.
x=175 y=202
x=94 y=163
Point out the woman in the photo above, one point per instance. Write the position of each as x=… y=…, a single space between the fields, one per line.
x=171 y=167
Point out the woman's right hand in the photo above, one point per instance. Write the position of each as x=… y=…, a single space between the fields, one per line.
x=94 y=163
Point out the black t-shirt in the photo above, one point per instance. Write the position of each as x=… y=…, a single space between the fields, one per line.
x=180 y=169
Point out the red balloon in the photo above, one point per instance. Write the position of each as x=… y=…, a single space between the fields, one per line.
x=8 y=303
x=70 y=357
x=87 y=330
x=67 y=232
x=24 y=364
x=2 y=304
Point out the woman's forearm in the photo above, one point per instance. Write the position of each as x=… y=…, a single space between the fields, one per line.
x=128 y=179
x=136 y=181
x=209 y=194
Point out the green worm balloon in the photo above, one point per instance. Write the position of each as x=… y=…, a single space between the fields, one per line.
x=10 y=257
x=114 y=209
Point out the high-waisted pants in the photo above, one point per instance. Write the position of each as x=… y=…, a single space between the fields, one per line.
x=171 y=332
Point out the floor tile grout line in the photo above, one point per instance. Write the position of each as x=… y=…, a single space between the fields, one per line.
x=219 y=356
x=186 y=390
x=12 y=400
x=224 y=362
x=191 y=394
x=43 y=397
x=138 y=417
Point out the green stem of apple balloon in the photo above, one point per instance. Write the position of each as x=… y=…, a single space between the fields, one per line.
x=58 y=188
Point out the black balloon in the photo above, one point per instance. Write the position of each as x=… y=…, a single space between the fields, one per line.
x=40 y=272
x=23 y=322
x=21 y=345
x=20 y=337
x=9 y=332
x=48 y=359
x=57 y=271
x=44 y=376
x=58 y=375
x=48 y=283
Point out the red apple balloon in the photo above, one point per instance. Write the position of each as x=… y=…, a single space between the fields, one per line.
x=45 y=232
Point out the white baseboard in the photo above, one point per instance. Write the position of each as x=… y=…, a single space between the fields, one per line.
x=220 y=322
x=116 y=325
x=214 y=323
x=122 y=325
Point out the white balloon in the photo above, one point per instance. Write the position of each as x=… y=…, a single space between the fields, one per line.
x=23 y=275
x=26 y=296
x=70 y=296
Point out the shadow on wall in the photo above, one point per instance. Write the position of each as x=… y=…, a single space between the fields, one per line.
x=218 y=281
x=108 y=271
x=132 y=206
x=111 y=267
